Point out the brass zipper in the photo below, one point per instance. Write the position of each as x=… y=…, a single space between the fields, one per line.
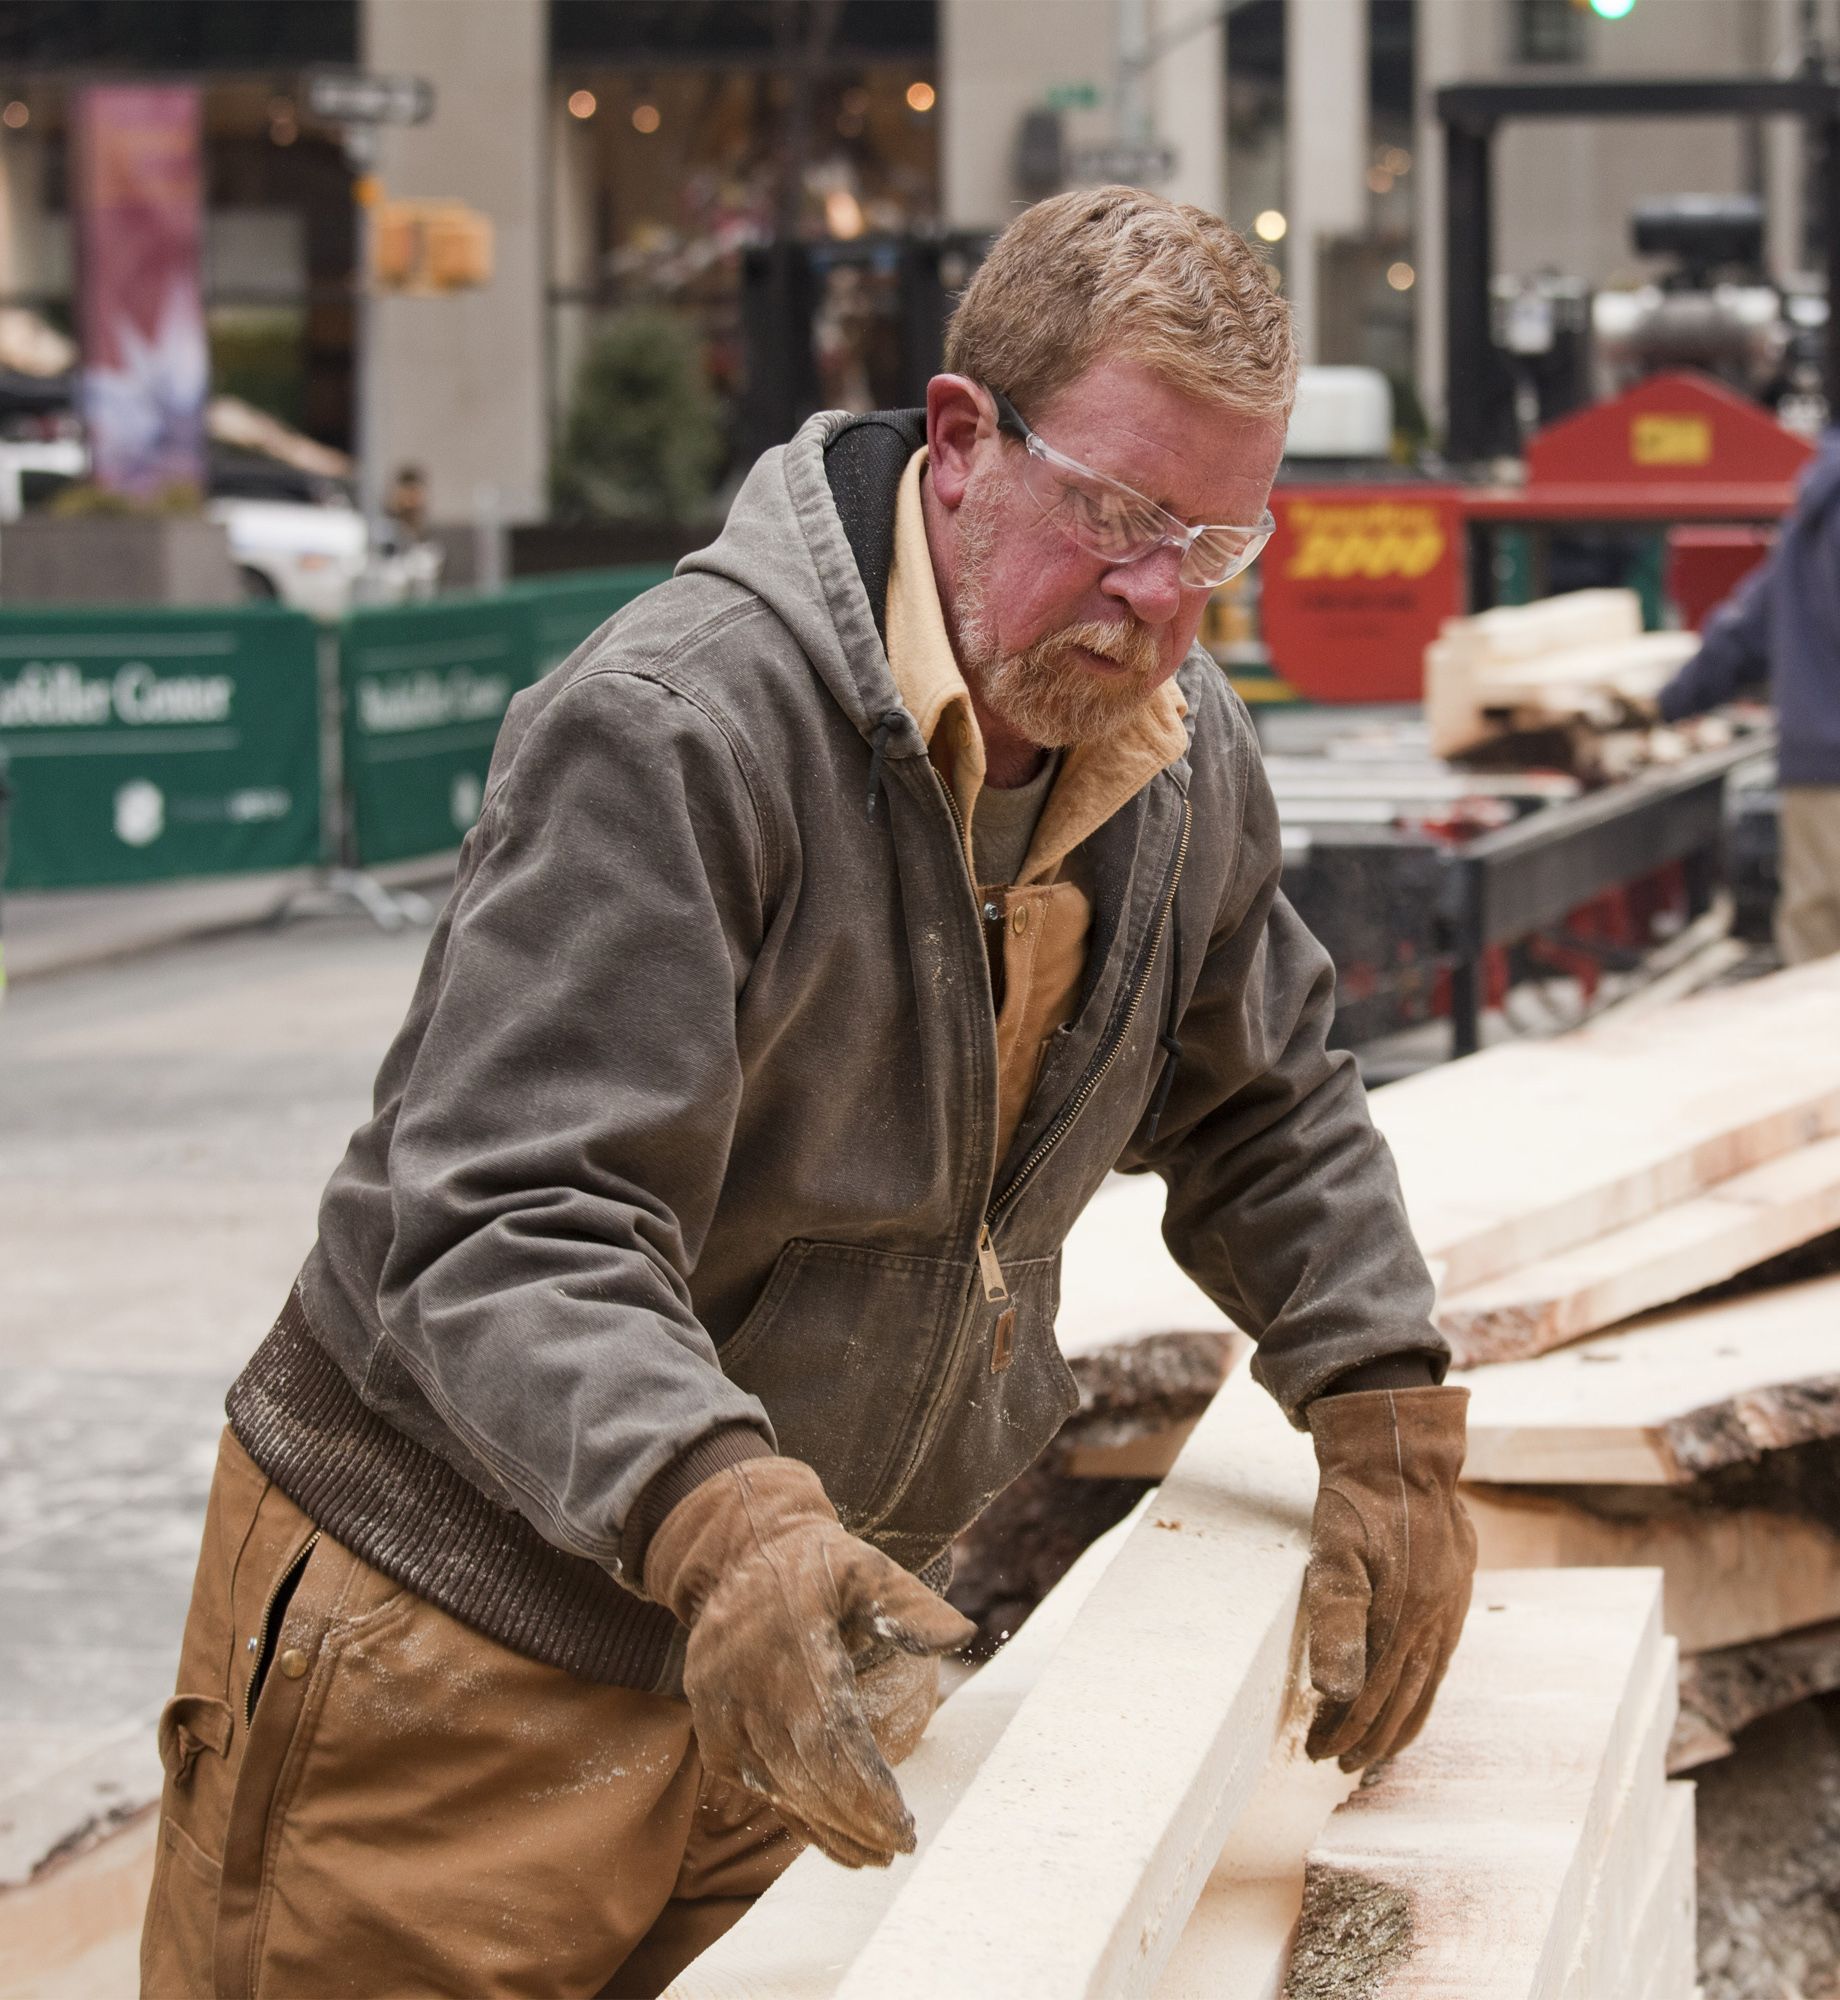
x=1042 y=1148
x=996 y=1289
x=262 y=1634
x=1096 y=1076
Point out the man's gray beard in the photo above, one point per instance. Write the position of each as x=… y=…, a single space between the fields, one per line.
x=1044 y=692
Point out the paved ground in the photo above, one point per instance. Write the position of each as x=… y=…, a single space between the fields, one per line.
x=169 y=1121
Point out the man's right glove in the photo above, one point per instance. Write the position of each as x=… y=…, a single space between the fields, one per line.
x=1392 y=1553
x=779 y=1598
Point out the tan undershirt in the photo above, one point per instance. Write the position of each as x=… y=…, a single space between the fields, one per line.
x=1043 y=904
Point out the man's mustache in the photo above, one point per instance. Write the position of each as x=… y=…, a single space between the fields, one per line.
x=1129 y=644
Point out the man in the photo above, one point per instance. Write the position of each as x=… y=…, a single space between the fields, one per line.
x=1782 y=625
x=839 y=916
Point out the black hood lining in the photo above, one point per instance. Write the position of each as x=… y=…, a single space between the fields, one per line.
x=863 y=463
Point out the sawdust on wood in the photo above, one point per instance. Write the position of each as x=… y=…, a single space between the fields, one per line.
x=1354 y=1934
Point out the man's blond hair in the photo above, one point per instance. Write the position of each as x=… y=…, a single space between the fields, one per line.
x=1114 y=271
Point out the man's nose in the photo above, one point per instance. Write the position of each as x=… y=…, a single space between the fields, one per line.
x=1151 y=586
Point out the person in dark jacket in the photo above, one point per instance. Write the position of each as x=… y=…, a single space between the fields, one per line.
x=1781 y=628
x=839 y=917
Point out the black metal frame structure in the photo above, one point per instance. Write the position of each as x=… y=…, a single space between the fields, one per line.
x=1481 y=416
x=1503 y=887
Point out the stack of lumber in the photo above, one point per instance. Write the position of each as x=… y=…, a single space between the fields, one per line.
x=1615 y=1419
x=1119 y=1804
x=1577 y=662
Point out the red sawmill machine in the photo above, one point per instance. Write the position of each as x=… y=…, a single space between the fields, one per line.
x=1442 y=886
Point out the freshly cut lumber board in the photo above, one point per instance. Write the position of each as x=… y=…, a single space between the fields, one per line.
x=1536 y=1147
x=1678 y=1394
x=1489 y=1833
x=1624 y=1888
x=1118 y=1280
x=1548 y=625
x=797 y=1940
x=1730 y=1575
x=1236 y=1944
x=1734 y=1225
x=1661 y=1962
x=1723 y=1692
x=1072 y=1861
x=1468 y=703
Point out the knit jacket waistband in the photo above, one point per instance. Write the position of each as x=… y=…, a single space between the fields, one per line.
x=408 y=1513
x=411 y=1515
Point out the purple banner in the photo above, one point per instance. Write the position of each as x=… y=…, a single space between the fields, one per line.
x=138 y=184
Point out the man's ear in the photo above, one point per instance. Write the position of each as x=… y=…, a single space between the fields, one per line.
x=958 y=415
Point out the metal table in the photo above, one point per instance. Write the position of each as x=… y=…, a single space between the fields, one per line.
x=1504 y=886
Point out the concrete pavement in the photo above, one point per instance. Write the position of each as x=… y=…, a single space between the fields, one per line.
x=168 y=1122
x=45 y=932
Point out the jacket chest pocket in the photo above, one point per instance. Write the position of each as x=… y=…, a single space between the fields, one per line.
x=842 y=1347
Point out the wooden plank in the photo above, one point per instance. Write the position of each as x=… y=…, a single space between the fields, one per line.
x=1468 y=651
x=1118 y=1280
x=1534 y=1147
x=1073 y=1860
x=797 y=1940
x=1658 y=1403
x=1236 y=1944
x=1731 y=1575
x=1549 y=624
x=1624 y=1906
x=1659 y=1962
x=1485 y=1836
x=1725 y=1691
x=1735 y=1224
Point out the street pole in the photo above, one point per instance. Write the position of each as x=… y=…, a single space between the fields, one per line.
x=360 y=142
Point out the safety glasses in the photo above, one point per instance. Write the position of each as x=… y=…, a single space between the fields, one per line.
x=1116 y=523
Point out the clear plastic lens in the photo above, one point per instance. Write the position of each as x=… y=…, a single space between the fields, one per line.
x=1109 y=521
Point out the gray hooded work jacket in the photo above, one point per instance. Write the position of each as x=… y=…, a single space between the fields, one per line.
x=689 y=1135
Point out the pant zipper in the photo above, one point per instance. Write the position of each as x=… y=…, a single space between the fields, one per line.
x=264 y=1637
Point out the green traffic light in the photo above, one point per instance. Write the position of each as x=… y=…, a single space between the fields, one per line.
x=1612 y=10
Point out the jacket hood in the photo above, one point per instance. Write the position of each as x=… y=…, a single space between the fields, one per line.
x=786 y=541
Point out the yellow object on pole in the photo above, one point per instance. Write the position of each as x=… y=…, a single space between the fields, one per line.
x=427 y=247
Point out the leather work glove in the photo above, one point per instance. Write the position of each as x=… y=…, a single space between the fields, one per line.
x=1392 y=1553
x=778 y=1597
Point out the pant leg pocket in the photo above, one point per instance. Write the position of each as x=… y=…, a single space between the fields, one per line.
x=195 y=1731
x=177 y=1940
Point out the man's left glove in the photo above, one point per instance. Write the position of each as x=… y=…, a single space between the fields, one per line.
x=1392 y=1553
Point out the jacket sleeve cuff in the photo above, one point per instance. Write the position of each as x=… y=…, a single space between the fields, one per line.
x=1416 y=1370
x=730 y=1445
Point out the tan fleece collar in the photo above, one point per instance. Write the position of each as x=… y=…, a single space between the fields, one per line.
x=1095 y=780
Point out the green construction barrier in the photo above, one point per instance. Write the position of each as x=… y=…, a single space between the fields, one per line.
x=565 y=609
x=146 y=745
x=425 y=688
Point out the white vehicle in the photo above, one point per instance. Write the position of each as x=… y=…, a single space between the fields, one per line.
x=313 y=556
x=31 y=469
x=308 y=557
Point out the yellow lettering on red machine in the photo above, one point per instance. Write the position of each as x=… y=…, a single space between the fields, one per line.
x=1370 y=538
x=1662 y=437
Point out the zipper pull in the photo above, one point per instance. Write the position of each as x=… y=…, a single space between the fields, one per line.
x=995 y=1289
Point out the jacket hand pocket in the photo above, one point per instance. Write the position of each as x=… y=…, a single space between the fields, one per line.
x=843 y=1346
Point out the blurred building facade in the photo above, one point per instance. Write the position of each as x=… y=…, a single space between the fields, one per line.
x=637 y=153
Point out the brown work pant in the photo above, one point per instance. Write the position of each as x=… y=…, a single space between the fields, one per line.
x=410 y=1809
x=1808 y=916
